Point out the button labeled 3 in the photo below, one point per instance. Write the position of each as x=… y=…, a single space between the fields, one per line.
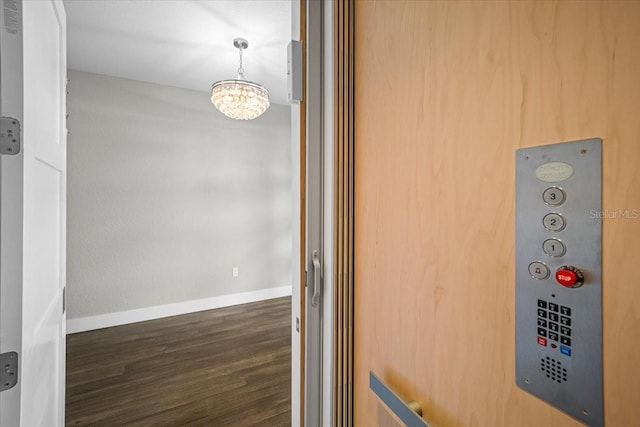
x=554 y=196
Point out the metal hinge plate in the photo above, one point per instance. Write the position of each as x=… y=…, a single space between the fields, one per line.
x=8 y=370
x=9 y=136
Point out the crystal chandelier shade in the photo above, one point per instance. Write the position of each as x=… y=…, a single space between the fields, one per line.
x=240 y=99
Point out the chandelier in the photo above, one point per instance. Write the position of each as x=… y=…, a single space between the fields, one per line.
x=240 y=99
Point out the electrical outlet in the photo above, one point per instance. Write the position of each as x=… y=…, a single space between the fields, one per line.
x=235 y=272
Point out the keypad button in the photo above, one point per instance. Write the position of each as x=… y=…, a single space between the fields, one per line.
x=542 y=303
x=542 y=332
x=566 y=321
x=565 y=350
x=566 y=311
x=565 y=331
x=554 y=248
x=542 y=323
x=553 y=326
x=542 y=313
x=538 y=270
x=542 y=341
x=553 y=317
x=553 y=307
x=554 y=196
x=565 y=341
x=553 y=336
x=553 y=221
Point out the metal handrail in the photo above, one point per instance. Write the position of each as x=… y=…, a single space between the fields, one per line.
x=409 y=413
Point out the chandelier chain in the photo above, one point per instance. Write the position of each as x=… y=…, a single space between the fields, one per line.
x=241 y=70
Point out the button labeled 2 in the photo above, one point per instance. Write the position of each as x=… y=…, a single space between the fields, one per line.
x=553 y=221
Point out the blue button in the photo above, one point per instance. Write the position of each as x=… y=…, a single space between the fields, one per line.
x=565 y=350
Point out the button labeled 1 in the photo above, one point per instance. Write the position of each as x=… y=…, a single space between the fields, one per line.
x=554 y=248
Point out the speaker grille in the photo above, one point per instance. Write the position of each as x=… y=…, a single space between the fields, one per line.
x=553 y=369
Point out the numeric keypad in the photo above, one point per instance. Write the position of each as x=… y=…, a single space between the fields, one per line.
x=554 y=326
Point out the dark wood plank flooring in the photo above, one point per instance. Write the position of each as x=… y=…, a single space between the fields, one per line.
x=224 y=367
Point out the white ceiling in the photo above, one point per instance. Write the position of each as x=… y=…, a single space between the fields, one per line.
x=182 y=43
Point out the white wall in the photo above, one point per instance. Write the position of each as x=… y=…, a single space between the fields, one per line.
x=166 y=196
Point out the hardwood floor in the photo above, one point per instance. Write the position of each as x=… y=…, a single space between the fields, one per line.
x=224 y=367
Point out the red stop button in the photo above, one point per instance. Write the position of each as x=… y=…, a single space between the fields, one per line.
x=569 y=277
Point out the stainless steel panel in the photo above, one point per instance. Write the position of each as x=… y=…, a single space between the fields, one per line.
x=558 y=328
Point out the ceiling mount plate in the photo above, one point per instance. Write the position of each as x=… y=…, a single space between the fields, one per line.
x=240 y=43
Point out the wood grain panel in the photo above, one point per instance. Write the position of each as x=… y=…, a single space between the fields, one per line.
x=445 y=94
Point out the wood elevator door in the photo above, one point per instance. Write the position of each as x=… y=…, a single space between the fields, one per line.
x=445 y=92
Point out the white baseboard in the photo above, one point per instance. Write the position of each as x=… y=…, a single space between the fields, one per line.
x=82 y=324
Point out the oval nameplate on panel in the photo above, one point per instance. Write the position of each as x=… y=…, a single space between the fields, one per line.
x=554 y=171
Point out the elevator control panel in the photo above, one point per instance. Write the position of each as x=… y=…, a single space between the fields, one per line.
x=559 y=276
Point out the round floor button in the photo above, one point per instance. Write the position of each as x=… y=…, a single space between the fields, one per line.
x=554 y=196
x=554 y=247
x=553 y=221
x=538 y=270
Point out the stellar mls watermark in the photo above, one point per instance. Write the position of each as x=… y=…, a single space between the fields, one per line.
x=615 y=214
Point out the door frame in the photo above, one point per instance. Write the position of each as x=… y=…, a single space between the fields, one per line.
x=313 y=141
x=10 y=240
x=342 y=53
x=11 y=212
x=314 y=256
x=20 y=236
x=326 y=151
